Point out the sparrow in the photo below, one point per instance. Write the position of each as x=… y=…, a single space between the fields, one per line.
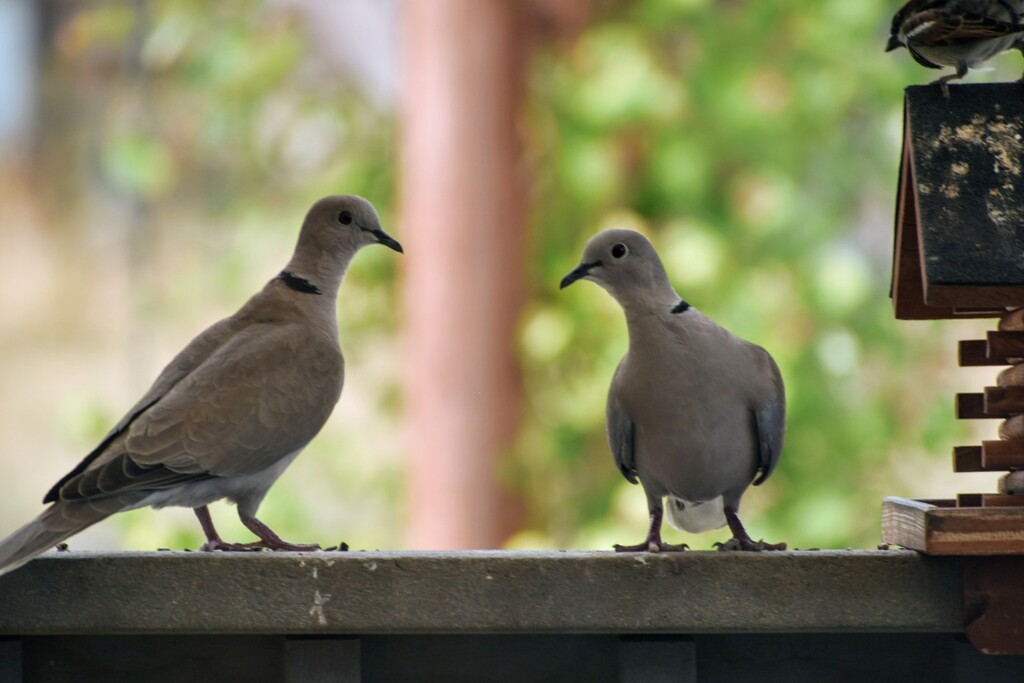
x=961 y=34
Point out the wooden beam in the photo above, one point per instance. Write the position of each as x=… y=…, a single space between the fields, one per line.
x=1002 y=455
x=464 y=211
x=974 y=352
x=1002 y=500
x=967 y=459
x=1004 y=401
x=938 y=530
x=969 y=500
x=971 y=407
x=1002 y=345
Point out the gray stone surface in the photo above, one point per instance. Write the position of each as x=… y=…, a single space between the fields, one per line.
x=481 y=592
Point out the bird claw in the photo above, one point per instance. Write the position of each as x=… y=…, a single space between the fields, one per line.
x=746 y=544
x=257 y=546
x=213 y=545
x=340 y=548
x=295 y=547
x=652 y=547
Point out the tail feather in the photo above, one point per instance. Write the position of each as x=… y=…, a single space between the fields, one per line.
x=57 y=523
x=696 y=517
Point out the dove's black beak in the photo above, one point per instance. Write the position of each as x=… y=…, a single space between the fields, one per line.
x=387 y=240
x=893 y=44
x=581 y=271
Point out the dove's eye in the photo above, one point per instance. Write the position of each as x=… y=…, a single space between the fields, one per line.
x=619 y=250
x=345 y=218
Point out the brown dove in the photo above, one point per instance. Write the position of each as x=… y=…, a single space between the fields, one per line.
x=232 y=410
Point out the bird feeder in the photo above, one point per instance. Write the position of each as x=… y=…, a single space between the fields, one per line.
x=959 y=253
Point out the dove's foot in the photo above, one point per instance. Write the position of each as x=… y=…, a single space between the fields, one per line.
x=222 y=545
x=740 y=538
x=652 y=546
x=270 y=540
x=255 y=546
x=749 y=545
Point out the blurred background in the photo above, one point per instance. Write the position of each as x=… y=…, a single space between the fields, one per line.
x=157 y=158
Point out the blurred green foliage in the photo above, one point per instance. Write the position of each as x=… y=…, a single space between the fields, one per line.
x=757 y=142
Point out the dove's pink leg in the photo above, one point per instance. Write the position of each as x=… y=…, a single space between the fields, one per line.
x=213 y=539
x=653 y=543
x=741 y=539
x=268 y=539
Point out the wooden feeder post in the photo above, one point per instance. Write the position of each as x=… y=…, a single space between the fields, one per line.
x=959 y=252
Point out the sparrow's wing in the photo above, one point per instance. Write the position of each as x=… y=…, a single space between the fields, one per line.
x=943 y=28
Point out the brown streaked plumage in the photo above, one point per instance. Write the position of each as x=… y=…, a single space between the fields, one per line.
x=962 y=34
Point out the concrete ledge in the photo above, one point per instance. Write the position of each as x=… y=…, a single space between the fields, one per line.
x=481 y=592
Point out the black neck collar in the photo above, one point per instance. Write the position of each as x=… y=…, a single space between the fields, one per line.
x=297 y=283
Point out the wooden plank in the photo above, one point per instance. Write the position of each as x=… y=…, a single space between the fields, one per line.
x=1004 y=401
x=967 y=459
x=972 y=407
x=1005 y=344
x=1002 y=500
x=953 y=531
x=974 y=352
x=937 y=502
x=1002 y=455
x=907 y=289
x=969 y=500
x=991 y=456
x=993 y=300
x=904 y=522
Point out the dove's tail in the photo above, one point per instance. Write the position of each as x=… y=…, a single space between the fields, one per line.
x=57 y=523
x=696 y=517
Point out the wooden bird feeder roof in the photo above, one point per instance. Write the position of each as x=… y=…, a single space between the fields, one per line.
x=959 y=248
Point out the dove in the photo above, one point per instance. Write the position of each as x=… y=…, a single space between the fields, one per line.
x=232 y=410
x=694 y=413
x=962 y=34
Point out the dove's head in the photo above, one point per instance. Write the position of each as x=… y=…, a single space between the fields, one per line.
x=625 y=263
x=335 y=229
x=344 y=223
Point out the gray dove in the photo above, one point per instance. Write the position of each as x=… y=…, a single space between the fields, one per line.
x=694 y=413
x=232 y=410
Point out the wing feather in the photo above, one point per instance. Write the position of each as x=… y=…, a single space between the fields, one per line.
x=621 y=435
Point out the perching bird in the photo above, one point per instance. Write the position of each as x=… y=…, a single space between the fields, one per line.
x=232 y=410
x=694 y=413
x=958 y=33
